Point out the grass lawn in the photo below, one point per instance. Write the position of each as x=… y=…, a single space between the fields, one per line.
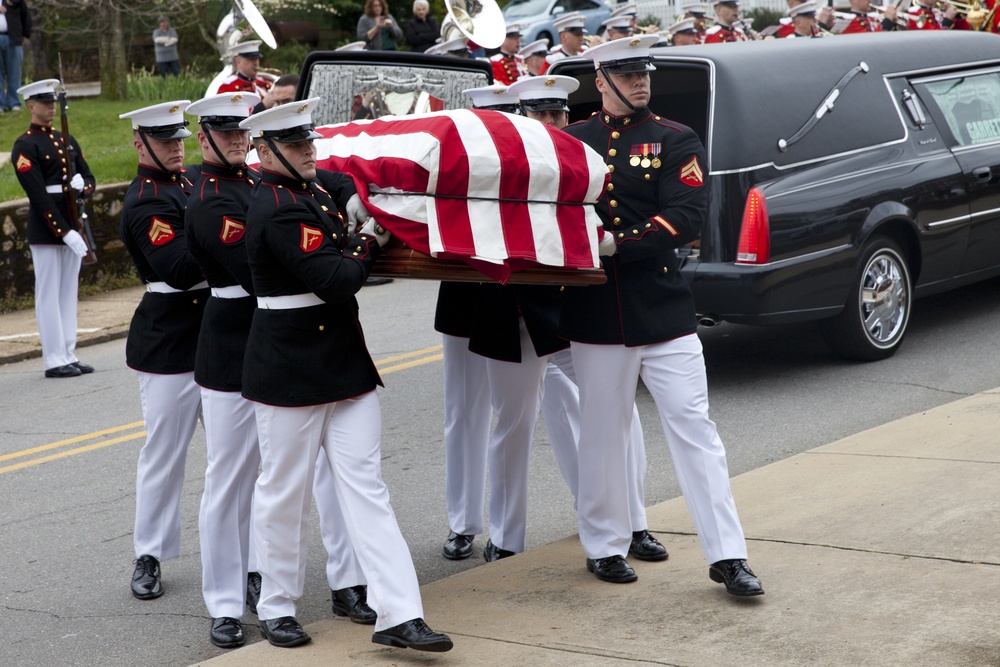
x=106 y=140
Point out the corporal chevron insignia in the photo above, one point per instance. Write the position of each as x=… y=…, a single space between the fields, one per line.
x=232 y=230
x=23 y=164
x=691 y=173
x=160 y=232
x=311 y=238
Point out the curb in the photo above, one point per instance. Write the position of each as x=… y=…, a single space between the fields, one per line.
x=86 y=340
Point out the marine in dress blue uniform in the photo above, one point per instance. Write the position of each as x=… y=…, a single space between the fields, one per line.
x=641 y=323
x=163 y=334
x=41 y=158
x=313 y=381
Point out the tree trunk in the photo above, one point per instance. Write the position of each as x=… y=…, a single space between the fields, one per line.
x=111 y=49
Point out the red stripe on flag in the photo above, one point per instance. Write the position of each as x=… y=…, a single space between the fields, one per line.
x=518 y=236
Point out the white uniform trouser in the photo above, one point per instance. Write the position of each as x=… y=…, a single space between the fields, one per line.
x=57 y=280
x=674 y=374
x=348 y=432
x=517 y=390
x=171 y=405
x=467 y=415
x=561 y=414
x=224 y=519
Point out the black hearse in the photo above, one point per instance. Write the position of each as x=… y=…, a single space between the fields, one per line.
x=849 y=175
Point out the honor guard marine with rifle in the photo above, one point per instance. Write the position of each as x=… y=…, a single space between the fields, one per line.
x=163 y=334
x=54 y=175
x=641 y=323
x=312 y=380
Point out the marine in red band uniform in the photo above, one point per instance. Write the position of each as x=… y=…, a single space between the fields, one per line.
x=642 y=322
x=246 y=62
x=825 y=20
x=803 y=17
x=41 y=158
x=698 y=12
x=163 y=334
x=618 y=27
x=992 y=19
x=923 y=16
x=571 y=33
x=864 y=22
x=312 y=380
x=456 y=48
x=507 y=67
x=684 y=33
x=533 y=57
x=727 y=27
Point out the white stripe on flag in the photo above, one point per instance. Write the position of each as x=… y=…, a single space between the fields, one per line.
x=484 y=181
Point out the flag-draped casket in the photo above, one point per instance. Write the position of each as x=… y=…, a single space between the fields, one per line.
x=502 y=193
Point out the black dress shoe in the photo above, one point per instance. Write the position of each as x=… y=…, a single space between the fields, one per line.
x=67 y=371
x=146 y=578
x=613 y=568
x=737 y=576
x=226 y=633
x=353 y=603
x=646 y=547
x=413 y=634
x=84 y=368
x=253 y=591
x=377 y=281
x=284 y=632
x=492 y=552
x=458 y=547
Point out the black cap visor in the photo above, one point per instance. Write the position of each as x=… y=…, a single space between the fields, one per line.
x=291 y=135
x=628 y=65
x=506 y=108
x=223 y=123
x=551 y=104
x=166 y=132
x=41 y=97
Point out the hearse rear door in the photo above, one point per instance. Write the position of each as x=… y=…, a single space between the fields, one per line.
x=966 y=109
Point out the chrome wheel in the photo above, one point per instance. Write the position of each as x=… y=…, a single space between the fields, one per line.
x=885 y=297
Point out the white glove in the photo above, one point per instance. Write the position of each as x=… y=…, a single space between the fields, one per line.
x=76 y=243
x=380 y=233
x=607 y=246
x=77 y=183
x=357 y=215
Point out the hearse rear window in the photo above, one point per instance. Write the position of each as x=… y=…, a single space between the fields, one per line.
x=970 y=105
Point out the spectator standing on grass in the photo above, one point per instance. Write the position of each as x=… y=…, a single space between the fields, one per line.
x=165 y=43
x=15 y=29
x=422 y=30
x=377 y=27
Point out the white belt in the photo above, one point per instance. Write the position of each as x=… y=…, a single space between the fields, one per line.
x=164 y=288
x=231 y=292
x=288 y=302
x=54 y=189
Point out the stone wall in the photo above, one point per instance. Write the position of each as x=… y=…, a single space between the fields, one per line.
x=16 y=275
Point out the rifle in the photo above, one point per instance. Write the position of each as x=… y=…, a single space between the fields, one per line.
x=74 y=200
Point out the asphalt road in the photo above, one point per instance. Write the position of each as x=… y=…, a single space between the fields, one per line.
x=66 y=554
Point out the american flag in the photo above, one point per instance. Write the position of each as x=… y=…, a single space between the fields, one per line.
x=502 y=192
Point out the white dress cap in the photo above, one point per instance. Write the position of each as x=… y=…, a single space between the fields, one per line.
x=618 y=22
x=539 y=93
x=694 y=8
x=287 y=123
x=684 y=25
x=161 y=121
x=569 y=21
x=489 y=97
x=43 y=90
x=808 y=7
x=630 y=54
x=250 y=49
x=628 y=9
x=457 y=44
x=539 y=47
x=353 y=46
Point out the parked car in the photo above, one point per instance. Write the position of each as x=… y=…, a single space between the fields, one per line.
x=849 y=176
x=536 y=16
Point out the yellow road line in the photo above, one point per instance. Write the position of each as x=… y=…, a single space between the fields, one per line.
x=69 y=441
x=383 y=369
x=71 y=452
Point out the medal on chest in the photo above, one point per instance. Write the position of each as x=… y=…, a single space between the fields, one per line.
x=645 y=155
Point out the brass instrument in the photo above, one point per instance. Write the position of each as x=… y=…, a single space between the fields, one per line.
x=750 y=32
x=990 y=18
x=479 y=21
x=878 y=12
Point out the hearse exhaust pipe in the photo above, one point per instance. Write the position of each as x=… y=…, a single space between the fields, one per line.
x=708 y=320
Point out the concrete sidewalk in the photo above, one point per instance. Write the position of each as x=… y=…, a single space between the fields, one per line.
x=879 y=549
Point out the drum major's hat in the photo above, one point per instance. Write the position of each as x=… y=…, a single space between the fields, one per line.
x=39 y=91
x=163 y=122
x=286 y=123
x=223 y=112
x=621 y=56
x=544 y=93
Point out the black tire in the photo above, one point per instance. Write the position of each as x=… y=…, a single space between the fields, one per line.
x=877 y=312
x=545 y=35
